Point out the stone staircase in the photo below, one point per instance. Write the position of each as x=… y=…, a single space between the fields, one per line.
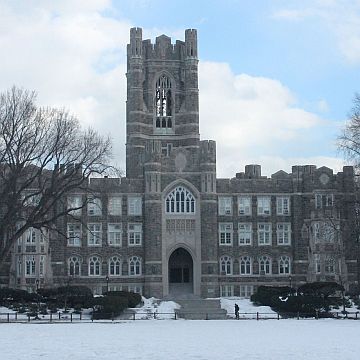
x=200 y=309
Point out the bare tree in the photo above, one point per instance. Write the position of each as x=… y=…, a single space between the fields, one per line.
x=44 y=155
x=349 y=139
x=349 y=144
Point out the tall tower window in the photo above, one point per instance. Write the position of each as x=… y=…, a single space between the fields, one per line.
x=163 y=98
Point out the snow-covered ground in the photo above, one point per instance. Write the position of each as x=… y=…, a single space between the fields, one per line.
x=200 y=340
x=246 y=308
x=245 y=339
x=162 y=309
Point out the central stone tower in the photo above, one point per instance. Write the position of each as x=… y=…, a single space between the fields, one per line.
x=162 y=96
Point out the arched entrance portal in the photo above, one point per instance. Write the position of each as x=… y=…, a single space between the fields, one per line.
x=180 y=272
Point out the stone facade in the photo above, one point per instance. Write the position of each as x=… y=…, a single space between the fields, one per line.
x=171 y=227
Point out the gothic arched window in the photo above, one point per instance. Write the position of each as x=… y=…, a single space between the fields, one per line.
x=264 y=265
x=74 y=266
x=180 y=201
x=135 y=266
x=94 y=266
x=226 y=267
x=115 y=266
x=163 y=98
x=284 y=265
x=245 y=265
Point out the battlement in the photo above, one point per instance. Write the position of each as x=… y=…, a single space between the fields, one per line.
x=135 y=46
x=163 y=48
x=252 y=171
x=191 y=43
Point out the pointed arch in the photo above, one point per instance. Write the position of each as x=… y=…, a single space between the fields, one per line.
x=180 y=201
x=163 y=96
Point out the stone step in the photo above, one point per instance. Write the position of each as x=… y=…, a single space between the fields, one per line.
x=200 y=309
x=199 y=304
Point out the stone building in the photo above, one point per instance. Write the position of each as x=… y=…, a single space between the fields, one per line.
x=170 y=226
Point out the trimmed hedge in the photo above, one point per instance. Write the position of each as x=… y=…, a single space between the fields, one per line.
x=133 y=298
x=309 y=299
x=108 y=306
x=8 y=295
x=113 y=303
x=72 y=296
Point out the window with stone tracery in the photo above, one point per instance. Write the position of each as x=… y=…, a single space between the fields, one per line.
x=74 y=266
x=163 y=103
x=180 y=201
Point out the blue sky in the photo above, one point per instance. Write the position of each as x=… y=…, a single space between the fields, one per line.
x=277 y=78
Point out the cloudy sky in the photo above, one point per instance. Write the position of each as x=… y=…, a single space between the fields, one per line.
x=276 y=77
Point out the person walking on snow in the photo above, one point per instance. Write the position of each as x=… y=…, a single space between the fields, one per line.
x=237 y=311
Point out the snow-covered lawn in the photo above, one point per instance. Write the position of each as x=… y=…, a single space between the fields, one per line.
x=247 y=309
x=201 y=340
x=163 y=309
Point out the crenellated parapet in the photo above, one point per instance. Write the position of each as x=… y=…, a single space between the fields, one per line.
x=134 y=49
x=191 y=43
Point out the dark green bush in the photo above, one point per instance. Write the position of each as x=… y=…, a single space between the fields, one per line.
x=133 y=298
x=67 y=296
x=309 y=299
x=108 y=306
x=75 y=295
x=8 y=296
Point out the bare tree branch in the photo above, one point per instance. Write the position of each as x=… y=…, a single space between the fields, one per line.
x=44 y=155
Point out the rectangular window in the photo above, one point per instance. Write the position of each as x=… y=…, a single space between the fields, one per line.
x=225 y=205
x=19 y=267
x=225 y=233
x=31 y=236
x=137 y=289
x=283 y=205
x=246 y=291
x=264 y=205
x=74 y=234
x=244 y=205
x=94 y=234
x=134 y=205
x=19 y=245
x=134 y=234
x=329 y=266
x=283 y=233
x=317 y=264
x=115 y=205
x=94 y=207
x=324 y=200
x=116 y=288
x=114 y=234
x=316 y=232
x=74 y=204
x=30 y=266
x=245 y=233
x=42 y=265
x=264 y=234
x=226 y=290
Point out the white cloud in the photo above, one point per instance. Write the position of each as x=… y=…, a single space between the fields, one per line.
x=75 y=57
x=339 y=17
x=251 y=116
